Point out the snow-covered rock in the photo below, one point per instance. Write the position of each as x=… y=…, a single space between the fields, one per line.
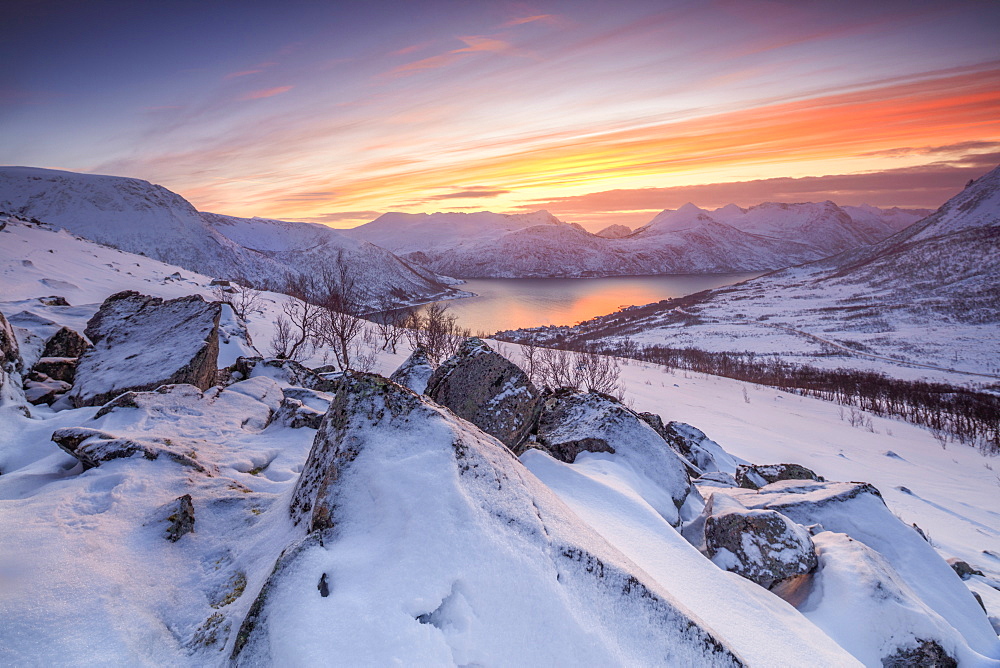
x=11 y=364
x=755 y=476
x=693 y=445
x=857 y=510
x=485 y=388
x=429 y=543
x=576 y=424
x=142 y=342
x=763 y=546
x=854 y=582
x=414 y=372
x=286 y=372
x=65 y=343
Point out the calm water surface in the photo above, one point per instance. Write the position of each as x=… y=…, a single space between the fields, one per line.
x=511 y=303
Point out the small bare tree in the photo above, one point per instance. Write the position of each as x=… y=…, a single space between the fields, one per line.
x=341 y=303
x=436 y=331
x=241 y=295
x=389 y=322
x=300 y=332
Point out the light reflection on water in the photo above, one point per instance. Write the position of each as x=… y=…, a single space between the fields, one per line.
x=511 y=303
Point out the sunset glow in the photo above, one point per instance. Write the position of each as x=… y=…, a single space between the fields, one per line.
x=599 y=113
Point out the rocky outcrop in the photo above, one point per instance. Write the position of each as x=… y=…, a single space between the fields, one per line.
x=143 y=342
x=763 y=546
x=10 y=362
x=284 y=371
x=963 y=569
x=751 y=476
x=180 y=521
x=488 y=390
x=691 y=443
x=481 y=521
x=93 y=447
x=926 y=654
x=414 y=372
x=56 y=368
x=573 y=421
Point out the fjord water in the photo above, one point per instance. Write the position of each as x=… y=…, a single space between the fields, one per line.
x=511 y=303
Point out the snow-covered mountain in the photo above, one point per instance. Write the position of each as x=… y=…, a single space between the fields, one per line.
x=928 y=295
x=235 y=525
x=688 y=240
x=140 y=217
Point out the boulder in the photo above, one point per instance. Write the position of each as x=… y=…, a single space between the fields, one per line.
x=763 y=546
x=414 y=372
x=65 y=343
x=418 y=520
x=40 y=389
x=750 y=476
x=964 y=570
x=143 y=342
x=488 y=390
x=857 y=510
x=56 y=368
x=574 y=422
x=859 y=599
x=54 y=300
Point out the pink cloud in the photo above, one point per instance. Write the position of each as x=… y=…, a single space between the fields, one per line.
x=473 y=44
x=269 y=92
x=233 y=75
x=548 y=18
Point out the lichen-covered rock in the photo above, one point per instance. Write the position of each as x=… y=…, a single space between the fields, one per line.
x=65 y=343
x=143 y=342
x=423 y=514
x=763 y=546
x=750 y=476
x=573 y=421
x=180 y=520
x=414 y=372
x=93 y=447
x=488 y=390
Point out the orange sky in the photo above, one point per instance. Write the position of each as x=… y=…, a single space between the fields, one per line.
x=338 y=114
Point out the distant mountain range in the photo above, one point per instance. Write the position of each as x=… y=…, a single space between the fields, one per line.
x=928 y=295
x=688 y=240
x=140 y=217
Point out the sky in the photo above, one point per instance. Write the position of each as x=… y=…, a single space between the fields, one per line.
x=600 y=112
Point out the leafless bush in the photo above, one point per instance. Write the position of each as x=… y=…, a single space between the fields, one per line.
x=341 y=304
x=389 y=322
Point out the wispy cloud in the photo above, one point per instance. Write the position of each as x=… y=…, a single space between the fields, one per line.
x=548 y=18
x=473 y=44
x=243 y=73
x=471 y=193
x=267 y=92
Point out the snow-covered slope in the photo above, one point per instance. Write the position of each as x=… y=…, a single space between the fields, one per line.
x=140 y=217
x=433 y=563
x=688 y=240
x=928 y=295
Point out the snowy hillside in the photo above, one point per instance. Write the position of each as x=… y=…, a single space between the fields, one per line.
x=140 y=217
x=689 y=240
x=928 y=296
x=275 y=518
